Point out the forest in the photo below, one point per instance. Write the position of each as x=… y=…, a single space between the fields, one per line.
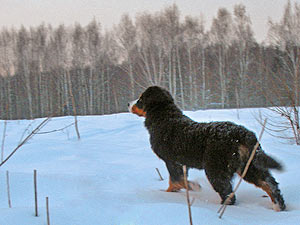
x=84 y=70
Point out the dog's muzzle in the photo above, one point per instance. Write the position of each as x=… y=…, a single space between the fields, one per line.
x=136 y=110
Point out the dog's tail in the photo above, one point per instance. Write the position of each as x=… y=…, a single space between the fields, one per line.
x=261 y=159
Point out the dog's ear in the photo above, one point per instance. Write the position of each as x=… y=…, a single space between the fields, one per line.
x=155 y=94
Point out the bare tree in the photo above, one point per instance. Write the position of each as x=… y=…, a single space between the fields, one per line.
x=93 y=53
x=7 y=68
x=244 y=41
x=171 y=31
x=109 y=57
x=79 y=62
x=151 y=54
x=39 y=65
x=38 y=61
x=195 y=40
x=59 y=60
x=23 y=41
x=126 y=35
x=285 y=36
x=222 y=35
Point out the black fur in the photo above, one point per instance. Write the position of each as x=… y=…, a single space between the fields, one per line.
x=220 y=148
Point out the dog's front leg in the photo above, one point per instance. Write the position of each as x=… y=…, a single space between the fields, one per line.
x=176 y=180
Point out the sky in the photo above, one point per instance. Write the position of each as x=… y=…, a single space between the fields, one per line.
x=108 y=12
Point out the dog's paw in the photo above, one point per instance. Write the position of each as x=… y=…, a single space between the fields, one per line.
x=231 y=201
x=177 y=186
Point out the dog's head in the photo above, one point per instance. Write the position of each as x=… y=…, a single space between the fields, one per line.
x=153 y=97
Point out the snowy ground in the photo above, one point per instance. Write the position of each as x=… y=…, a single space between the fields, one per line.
x=109 y=177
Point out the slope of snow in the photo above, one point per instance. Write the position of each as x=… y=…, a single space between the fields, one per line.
x=109 y=176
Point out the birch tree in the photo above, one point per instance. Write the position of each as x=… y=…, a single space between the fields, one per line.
x=39 y=63
x=221 y=34
x=244 y=41
x=60 y=60
x=93 y=35
x=23 y=41
x=126 y=35
x=171 y=32
x=195 y=38
x=79 y=63
x=7 y=70
x=151 y=53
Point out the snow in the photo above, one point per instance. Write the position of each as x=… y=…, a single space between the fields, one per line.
x=109 y=176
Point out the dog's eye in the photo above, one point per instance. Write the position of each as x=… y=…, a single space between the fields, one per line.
x=139 y=103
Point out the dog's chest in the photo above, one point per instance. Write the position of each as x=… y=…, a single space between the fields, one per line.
x=177 y=144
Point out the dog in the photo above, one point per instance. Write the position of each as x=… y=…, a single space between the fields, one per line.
x=220 y=148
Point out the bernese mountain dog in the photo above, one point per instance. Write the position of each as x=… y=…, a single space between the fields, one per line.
x=220 y=148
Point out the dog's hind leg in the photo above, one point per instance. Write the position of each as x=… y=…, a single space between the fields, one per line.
x=221 y=182
x=264 y=180
x=219 y=169
x=176 y=180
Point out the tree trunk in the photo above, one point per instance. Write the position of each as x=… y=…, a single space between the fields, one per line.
x=66 y=95
x=28 y=89
x=132 y=92
x=180 y=78
x=222 y=78
x=191 y=86
x=74 y=105
x=91 y=92
x=203 y=78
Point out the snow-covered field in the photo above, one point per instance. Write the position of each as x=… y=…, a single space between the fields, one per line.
x=109 y=176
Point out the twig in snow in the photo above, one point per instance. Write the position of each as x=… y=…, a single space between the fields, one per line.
x=223 y=207
x=8 y=189
x=187 y=194
x=47 y=210
x=159 y=174
x=35 y=193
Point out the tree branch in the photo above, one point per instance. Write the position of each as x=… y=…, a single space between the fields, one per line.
x=39 y=127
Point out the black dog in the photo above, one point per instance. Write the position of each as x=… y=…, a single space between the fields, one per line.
x=220 y=148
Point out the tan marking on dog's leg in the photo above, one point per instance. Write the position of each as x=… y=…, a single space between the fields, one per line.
x=268 y=190
x=174 y=186
x=177 y=186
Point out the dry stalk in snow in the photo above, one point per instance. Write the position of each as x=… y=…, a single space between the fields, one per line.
x=159 y=174
x=8 y=189
x=47 y=210
x=35 y=193
x=187 y=194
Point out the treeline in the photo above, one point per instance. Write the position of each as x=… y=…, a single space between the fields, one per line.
x=63 y=70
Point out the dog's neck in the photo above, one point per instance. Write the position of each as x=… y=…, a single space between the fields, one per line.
x=161 y=112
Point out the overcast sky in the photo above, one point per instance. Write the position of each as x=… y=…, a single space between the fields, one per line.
x=108 y=12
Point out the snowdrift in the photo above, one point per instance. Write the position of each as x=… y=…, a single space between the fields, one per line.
x=109 y=176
